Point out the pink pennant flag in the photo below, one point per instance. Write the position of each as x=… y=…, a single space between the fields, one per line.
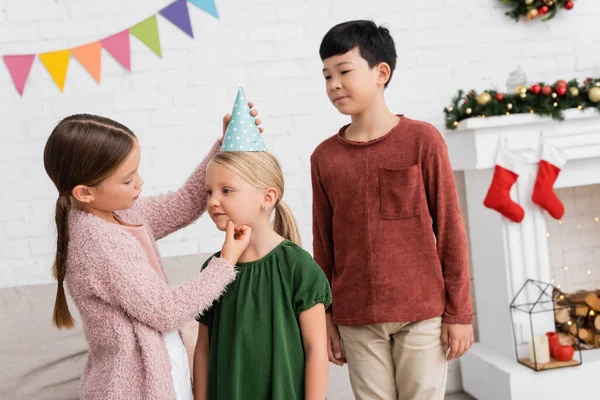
x=118 y=46
x=19 y=68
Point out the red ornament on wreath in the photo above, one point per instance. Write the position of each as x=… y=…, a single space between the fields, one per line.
x=561 y=90
x=569 y=5
x=499 y=97
x=547 y=90
x=544 y=10
x=561 y=83
x=536 y=89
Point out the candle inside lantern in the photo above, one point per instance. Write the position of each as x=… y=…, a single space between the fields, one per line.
x=542 y=350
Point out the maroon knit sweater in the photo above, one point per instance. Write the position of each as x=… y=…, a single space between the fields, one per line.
x=387 y=228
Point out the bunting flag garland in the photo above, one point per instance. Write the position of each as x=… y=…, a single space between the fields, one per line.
x=117 y=45
x=57 y=63
x=147 y=32
x=177 y=14
x=207 y=6
x=90 y=56
x=19 y=67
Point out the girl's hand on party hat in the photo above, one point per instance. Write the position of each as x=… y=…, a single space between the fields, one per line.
x=253 y=112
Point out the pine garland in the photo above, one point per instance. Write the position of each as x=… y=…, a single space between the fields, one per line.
x=541 y=99
x=531 y=9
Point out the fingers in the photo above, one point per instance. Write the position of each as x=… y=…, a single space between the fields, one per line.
x=226 y=119
x=243 y=232
x=462 y=348
x=229 y=229
x=330 y=352
x=334 y=352
x=254 y=113
x=337 y=349
x=445 y=337
x=453 y=349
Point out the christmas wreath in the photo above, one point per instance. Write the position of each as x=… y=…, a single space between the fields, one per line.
x=531 y=9
x=542 y=99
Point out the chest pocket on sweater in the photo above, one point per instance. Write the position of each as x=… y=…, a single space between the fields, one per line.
x=400 y=192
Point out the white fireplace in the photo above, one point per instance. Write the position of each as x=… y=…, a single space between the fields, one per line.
x=505 y=254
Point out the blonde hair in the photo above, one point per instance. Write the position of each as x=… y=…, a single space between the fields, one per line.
x=262 y=170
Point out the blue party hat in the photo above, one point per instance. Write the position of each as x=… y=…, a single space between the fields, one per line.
x=242 y=134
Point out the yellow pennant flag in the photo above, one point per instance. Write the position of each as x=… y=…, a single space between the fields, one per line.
x=57 y=63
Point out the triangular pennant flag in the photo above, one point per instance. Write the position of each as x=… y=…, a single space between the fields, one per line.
x=57 y=63
x=118 y=46
x=177 y=13
x=19 y=68
x=147 y=32
x=206 y=5
x=242 y=134
x=90 y=56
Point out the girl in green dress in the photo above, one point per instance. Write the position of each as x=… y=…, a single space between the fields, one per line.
x=266 y=337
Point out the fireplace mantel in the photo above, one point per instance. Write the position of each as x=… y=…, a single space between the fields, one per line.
x=475 y=143
x=504 y=254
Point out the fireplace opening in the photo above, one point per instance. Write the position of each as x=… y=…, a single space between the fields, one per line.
x=574 y=254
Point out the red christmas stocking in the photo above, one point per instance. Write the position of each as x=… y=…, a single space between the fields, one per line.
x=552 y=161
x=508 y=165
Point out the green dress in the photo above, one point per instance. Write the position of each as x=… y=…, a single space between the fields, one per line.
x=256 y=349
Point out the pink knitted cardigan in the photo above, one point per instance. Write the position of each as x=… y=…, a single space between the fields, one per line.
x=125 y=305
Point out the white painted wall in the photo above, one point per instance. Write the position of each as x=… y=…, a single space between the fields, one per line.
x=270 y=47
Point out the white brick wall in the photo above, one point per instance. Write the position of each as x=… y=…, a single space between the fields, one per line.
x=574 y=241
x=270 y=47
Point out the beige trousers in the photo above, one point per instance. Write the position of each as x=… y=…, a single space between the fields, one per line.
x=404 y=361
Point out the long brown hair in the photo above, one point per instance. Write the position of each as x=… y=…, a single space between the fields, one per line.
x=82 y=149
x=261 y=169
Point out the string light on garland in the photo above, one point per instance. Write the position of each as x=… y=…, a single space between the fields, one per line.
x=543 y=99
x=532 y=9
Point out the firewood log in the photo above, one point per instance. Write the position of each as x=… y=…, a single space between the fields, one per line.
x=586 y=335
x=562 y=315
x=593 y=301
x=578 y=297
x=571 y=329
x=582 y=310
